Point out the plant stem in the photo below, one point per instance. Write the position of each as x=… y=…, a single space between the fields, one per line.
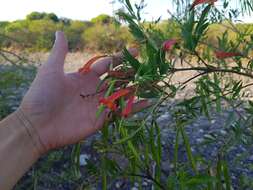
x=211 y=70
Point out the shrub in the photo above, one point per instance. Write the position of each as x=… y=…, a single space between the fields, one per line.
x=74 y=33
x=102 y=19
x=106 y=38
x=39 y=16
x=42 y=34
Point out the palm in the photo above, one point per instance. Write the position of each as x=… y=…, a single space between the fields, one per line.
x=70 y=117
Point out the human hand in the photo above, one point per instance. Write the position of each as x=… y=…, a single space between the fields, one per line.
x=53 y=105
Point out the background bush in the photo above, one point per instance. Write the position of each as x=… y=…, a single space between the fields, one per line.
x=102 y=33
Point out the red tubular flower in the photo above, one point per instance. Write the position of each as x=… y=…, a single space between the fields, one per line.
x=128 y=109
x=118 y=94
x=197 y=2
x=110 y=104
x=86 y=68
x=167 y=45
x=110 y=100
x=224 y=55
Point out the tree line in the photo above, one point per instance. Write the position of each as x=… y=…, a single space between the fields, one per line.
x=102 y=33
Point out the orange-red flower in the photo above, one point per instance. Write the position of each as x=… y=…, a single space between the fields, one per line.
x=197 y=2
x=110 y=100
x=129 y=106
x=224 y=55
x=87 y=67
x=108 y=103
x=167 y=45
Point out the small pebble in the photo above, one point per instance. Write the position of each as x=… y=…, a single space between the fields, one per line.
x=83 y=159
x=223 y=132
x=201 y=130
x=200 y=140
x=136 y=184
x=118 y=184
x=144 y=183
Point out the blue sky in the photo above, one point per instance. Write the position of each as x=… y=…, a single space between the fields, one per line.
x=77 y=9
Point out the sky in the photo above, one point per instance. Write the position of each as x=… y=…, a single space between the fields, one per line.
x=78 y=9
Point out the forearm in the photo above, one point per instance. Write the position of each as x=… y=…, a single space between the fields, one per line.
x=19 y=149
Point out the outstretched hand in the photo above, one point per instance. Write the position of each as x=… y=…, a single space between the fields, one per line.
x=53 y=104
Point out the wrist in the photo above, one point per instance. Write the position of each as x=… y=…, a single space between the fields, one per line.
x=30 y=131
x=19 y=149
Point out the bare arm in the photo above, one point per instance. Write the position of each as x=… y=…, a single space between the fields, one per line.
x=19 y=149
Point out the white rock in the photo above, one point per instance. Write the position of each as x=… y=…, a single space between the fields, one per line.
x=201 y=131
x=163 y=117
x=200 y=140
x=118 y=185
x=83 y=159
x=223 y=132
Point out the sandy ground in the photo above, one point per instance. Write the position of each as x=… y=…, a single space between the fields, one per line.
x=72 y=63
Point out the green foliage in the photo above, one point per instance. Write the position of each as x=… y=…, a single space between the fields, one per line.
x=105 y=38
x=74 y=33
x=42 y=34
x=35 y=16
x=193 y=31
x=102 y=19
x=36 y=32
x=13 y=80
x=39 y=16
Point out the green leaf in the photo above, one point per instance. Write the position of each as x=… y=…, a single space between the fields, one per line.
x=160 y=59
x=202 y=24
x=188 y=150
x=200 y=180
x=135 y=29
x=226 y=175
x=219 y=174
x=129 y=5
x=128 y=58
x=129 y=137
x=158 y=143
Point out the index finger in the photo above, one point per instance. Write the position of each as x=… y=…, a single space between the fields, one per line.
x=102 y=66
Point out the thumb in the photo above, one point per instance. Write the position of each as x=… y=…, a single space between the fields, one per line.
x=58 y=52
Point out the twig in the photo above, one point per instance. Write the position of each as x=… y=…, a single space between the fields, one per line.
x=192 y=78
x=211 y=70
x=12 y=53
